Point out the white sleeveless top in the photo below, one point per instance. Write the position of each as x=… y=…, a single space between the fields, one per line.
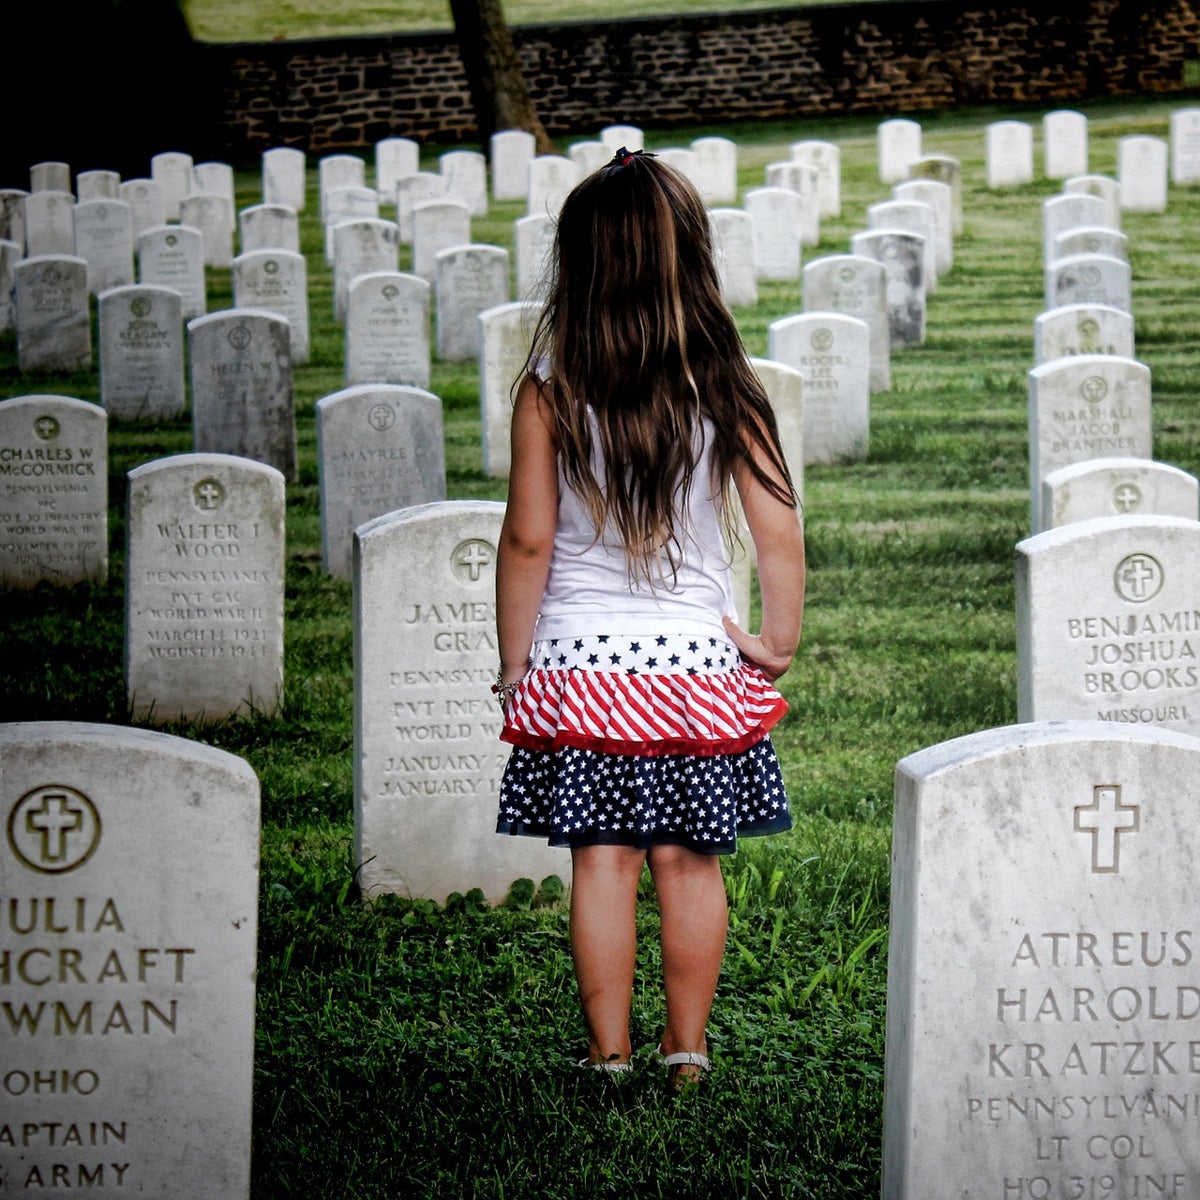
x=589 y=589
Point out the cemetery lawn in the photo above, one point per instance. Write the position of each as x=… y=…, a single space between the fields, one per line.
x=416 y=1050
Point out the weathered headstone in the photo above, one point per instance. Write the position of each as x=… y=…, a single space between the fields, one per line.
x=1082 y=329
x=10 y=255
x=899 y=146
x=909 y=216
x=347 y=204
x=365 y=246
x=1084 y=407
x=777 y=216
x=1185 y=146
x=940 y=197
x=733 y=245
x=53 y=491
x=141 y=353
x=716 y=169
x=857 y=286
x=283 y=177
x=50 y=177
x=387 y=330
x=1042 y=994
x=427 y=755
x=336 y=171
x=395 y=158
x=533 y=242
x=212 y=215
x=588 y=156
x=681 y=159
x=826 y=159
x=1107 y=622
x=204 y=589
x=130 y=877
x=12 y=216
x=1064 y=144
x=240 y=365
x=1118 y=487
x=172 y=171
x=551 y=178
x=1090 y=239
x=1142 y=173
x=276 y=281
x=800 y=178
x=1069 y=211
x=832 y=352
x=469 y=280
x=54 y=330
x=411 y=191
x=49 y=223
x=269 y=227
x=1108 y=189
x=104 y=240
x=147 y=205
x=379 y=448
x=616 y=136
x=944 y=169
x=1089 y=279
x=465 y=172
x=903 y=259
x=1009 y=151
x=512 y=150
x=437 y=225
x=506 y=333
x=173 y=256
x=214 y=179
x=97 y=185
x=784 y=386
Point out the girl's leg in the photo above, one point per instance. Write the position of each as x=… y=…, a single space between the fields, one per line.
x=691 y=899
x=604 y=942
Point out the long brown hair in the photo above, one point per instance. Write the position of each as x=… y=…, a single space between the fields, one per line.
x=635 y=328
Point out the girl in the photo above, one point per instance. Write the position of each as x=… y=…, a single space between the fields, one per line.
x=637 y=707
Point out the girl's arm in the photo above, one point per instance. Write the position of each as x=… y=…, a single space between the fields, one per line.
x=779 y=544
x=527 y=535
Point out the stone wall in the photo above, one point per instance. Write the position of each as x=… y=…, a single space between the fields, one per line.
x=886 y=58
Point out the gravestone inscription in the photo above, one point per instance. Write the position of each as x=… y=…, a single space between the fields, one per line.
x=141 y=353
x=54 y=330
x=387 y=329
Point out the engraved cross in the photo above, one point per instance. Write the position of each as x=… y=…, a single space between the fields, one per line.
x=1127 y=497
x=1138 y=576
x=1106 y=818
x=474 y=558
x=54 y=820
x=209 y=494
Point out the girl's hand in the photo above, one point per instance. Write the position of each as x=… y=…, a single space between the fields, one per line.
x=771 y=661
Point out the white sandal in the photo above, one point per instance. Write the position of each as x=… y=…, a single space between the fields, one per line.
x=676 y=1079
x=613 y=1068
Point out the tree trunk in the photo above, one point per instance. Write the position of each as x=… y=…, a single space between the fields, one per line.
x=498 y=89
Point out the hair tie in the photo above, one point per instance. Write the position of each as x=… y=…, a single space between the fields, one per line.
x=624 y=157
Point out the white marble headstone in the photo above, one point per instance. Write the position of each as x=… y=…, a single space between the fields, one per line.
x=899 y=146
x=551 y=178
x=616 y=136
x=104 y=240
x=50 y=176
x=10 y=255
x=12 y=216
x=505 y=337
x=97 y=185
x=338 y=171
x=1009 y=152
x=1082 y=329
x=733 y=252
x=777 y=214
x=512 y=150
x=283 y=177
x=141 y=353
x=387 y=330
x=347 y=204
x=716 y=165
x=54 y=330
x=944 y=169
x=1064 y=144
x=1089 y=279
x=212 y=214
x=147 y=204
x=49 y=223
x=411 y=191
x=172 y=171
x=826 y=159
x=533 y=243
x=784 y=386
x=800 y=178
x=1185 y=146
x=1069 y=211
x=276 y=281
x=1118 y=487
x=364 y=246
x=465 y=172
x=588 y=156
x=909 y=216
x=269 y=227
x=214 y=179
x=395 y=158
x=1104 y=186
x=856 y=286
x=468 y=280
x=173 y=256
x=940 y=197
x=903 y=259
x=1090 y=239
x=1142 y=173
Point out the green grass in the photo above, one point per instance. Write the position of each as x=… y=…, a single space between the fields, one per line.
x=413 y=1050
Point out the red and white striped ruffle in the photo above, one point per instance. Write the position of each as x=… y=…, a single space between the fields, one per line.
x=656 y=713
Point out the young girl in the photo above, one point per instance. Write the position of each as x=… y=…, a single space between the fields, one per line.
x=637 y=707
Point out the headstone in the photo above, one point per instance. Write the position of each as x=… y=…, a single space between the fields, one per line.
x=379 y=448
x=1185 y=146
x=335 y=171
x=716 y=169
x=54 y=330
x=10 y=255
x=437 y=225
x=1089 y=279
x=49 y=223
x=12 y=216
x=826 y=159
x=899 y=146
x=347 y=204
x=589 y=157
x=533 y=241
x=506 y=334
x=97 y=185
x=469 y=280
x=361 y=247
x=269 y=227
x=50 y=177
x=680 y=159
x=511 y=150
x=214 y=179
x=213 y=216
x=104 y=240
x=172 y=171
x=832 y=352
x=387 y=330
x=1065 y=212
x=777 y=215
x=784 y=386
x=173 y=256
x=802 y=179
x=1142 y=173
x=856 y=286
x=903 y=259
x=1082 y=329
x=908 y=216
x=1064 y=144
x=1041 y=966
x=1108 y=189
x=411 y=191
x=284 y=177
x=1107 y=624
x=427 y=755
x=395 y=158
x=466 y=179
x=1089 y=406
x=947 y=170
x=616 y=136
x=551 y=178
x=1009 y=150
x=1091 y=239
x=733 y=243
x=1118 y=487
x=141 y=353
x=147 y=205
x=204 y=589
x=276 y=281
x=53 y=492
x=939 y=197
x=240 y=365
x=131 y=883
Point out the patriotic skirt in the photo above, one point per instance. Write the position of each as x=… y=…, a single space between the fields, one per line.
x=642 y=741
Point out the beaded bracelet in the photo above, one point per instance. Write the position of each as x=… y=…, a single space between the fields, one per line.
x=504 y=692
